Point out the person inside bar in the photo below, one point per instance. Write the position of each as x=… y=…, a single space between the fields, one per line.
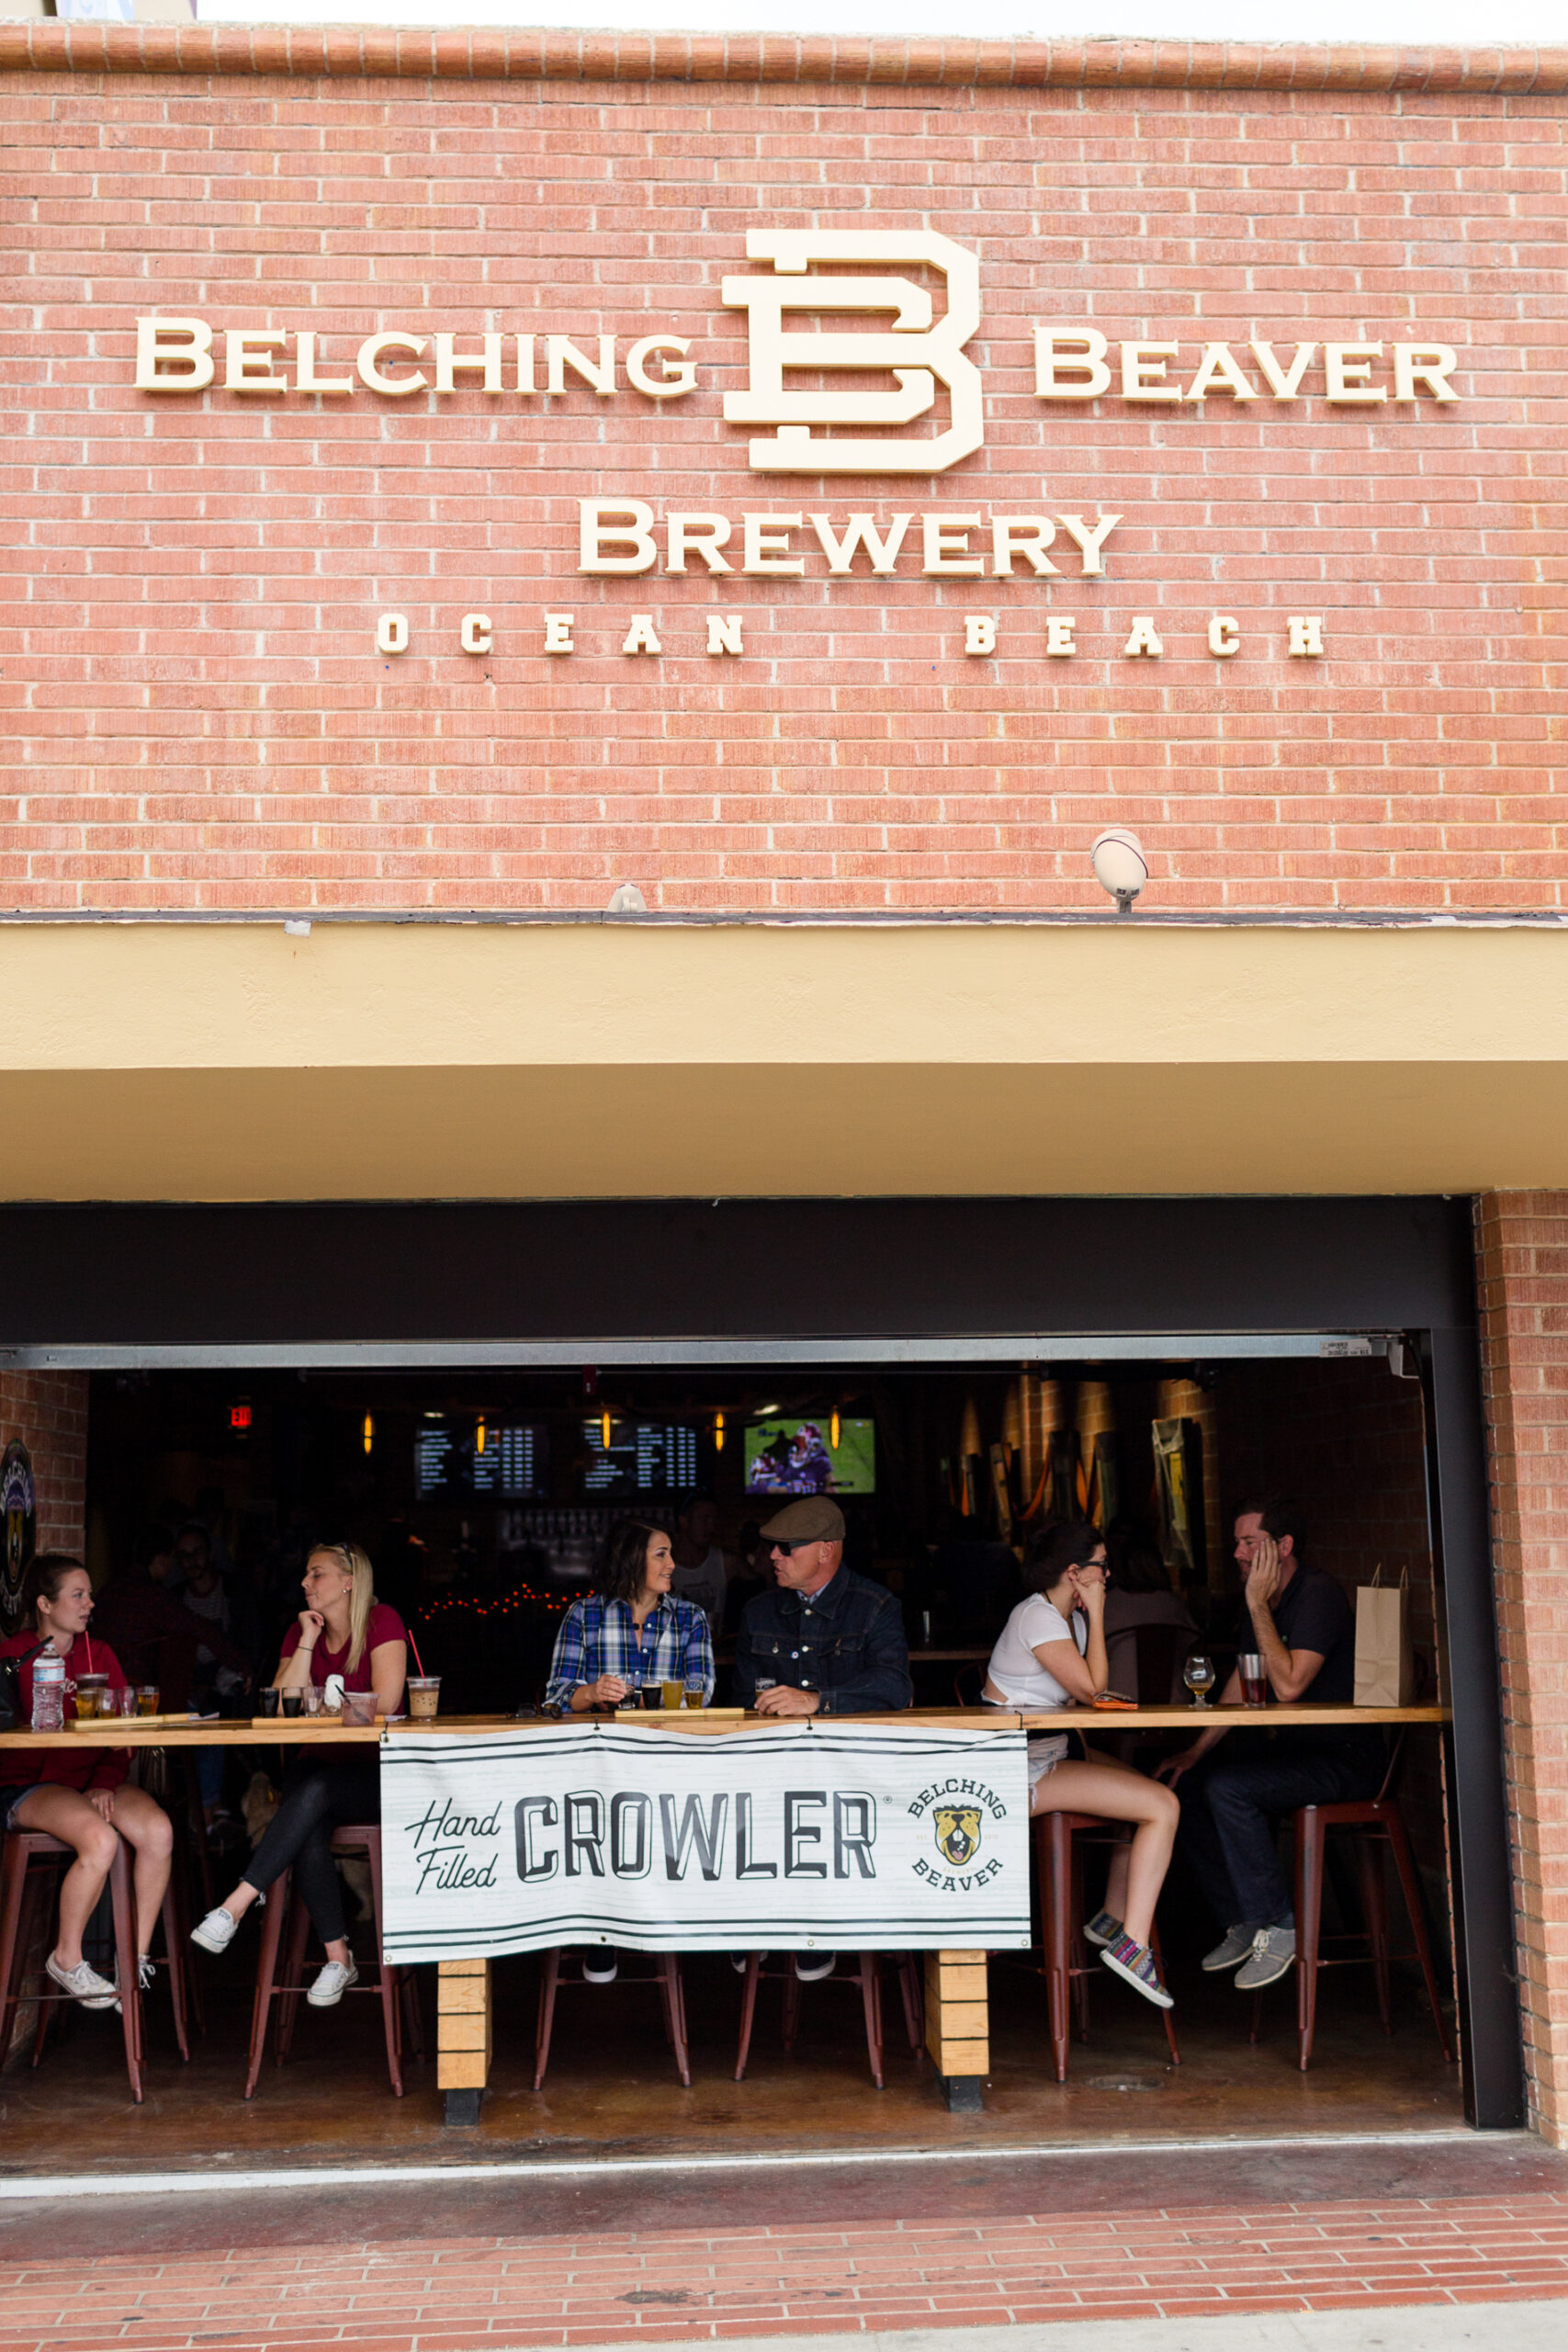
x=703 y=1568
x=1303 y=1629
x=157 y=1640
x=346 y=1634
x=1051 y=1653
x=81 y=1795
x=629 y=1634
x=824 y=1641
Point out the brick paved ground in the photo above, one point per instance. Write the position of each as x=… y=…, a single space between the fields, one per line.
x=443 y=2294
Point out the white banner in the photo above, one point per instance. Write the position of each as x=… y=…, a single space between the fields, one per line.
x=852 y=1837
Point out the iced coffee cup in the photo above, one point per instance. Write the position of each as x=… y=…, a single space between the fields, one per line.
x=425 y=1693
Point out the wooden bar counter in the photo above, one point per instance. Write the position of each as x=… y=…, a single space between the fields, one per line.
x=957 y=2013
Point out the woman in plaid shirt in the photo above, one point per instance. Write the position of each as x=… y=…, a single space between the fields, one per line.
x=630 y=1630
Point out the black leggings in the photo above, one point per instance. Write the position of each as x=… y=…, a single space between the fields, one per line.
x=318 y=1798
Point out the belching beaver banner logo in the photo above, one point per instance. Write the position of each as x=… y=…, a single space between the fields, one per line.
x=959 y=1812
x=957 y=1831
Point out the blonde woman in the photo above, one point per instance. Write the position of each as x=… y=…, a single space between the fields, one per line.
x=342 y=1630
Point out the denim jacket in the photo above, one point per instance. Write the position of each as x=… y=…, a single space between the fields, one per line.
x=846 y=1641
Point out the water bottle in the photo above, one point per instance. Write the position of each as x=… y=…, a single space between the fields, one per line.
x=48 y=1691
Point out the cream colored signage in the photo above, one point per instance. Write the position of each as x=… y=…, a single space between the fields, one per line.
x=821 y=427
x=918 y=354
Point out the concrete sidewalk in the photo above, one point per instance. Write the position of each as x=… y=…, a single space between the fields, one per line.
x=1424 y=2327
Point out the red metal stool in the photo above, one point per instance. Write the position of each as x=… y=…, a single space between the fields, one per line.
x=867 y=1976
x=1068 y=1970
x=400 y=2006
x=665 y=1973
x=1375 y=1825
x=21 y=1887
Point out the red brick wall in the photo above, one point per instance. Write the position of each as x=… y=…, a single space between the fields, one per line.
x=1522 y=1247
x=185 y=624
x=48 y=1410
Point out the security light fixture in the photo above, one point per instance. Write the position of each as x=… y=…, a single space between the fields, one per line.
x=1120 y=867
x=627 y=900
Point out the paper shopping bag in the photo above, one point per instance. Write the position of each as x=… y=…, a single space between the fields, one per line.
x=1385 y=1663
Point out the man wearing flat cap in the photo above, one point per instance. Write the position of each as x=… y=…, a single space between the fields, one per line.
x=824 y=1642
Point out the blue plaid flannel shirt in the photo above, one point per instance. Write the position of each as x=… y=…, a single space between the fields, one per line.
x=597 y=1637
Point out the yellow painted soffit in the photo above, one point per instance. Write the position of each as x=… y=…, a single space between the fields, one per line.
x=382 y=1062
x=107 y=996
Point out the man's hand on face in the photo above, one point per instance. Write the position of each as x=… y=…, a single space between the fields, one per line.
x=783 y=1699
x=1263 y=1576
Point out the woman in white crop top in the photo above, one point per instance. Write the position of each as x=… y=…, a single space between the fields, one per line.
x=1051 y=1654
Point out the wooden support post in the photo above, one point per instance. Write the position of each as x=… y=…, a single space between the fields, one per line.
x=462 y=2036
x=958 y=2026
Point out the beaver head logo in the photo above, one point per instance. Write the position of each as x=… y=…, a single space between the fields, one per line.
x=957 y=1831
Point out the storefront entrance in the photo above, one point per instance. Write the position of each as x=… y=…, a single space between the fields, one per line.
x=474 y=1389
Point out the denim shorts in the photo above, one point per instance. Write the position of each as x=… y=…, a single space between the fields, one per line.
x=10 y=1799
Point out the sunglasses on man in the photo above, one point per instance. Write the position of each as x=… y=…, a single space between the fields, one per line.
x=798 y=1544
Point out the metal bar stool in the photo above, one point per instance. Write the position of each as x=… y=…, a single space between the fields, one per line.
x=1066 y=1969
x=665 y=1975
x=867 y=1976
x=1376 y=1825
x=396 y=1986
x=19 y=1884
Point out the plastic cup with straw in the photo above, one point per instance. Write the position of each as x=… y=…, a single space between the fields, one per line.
x=424 y=1690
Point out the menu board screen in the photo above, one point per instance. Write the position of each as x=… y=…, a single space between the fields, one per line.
x=642 y=1457
x=448 y=1460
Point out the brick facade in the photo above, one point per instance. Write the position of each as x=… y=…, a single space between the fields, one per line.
x=1522 y=1249
x=48 y=1410
x=187 y=632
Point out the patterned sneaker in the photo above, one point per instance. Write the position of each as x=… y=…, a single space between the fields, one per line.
x=332 y=1984
x=83 y=1984
x=601 y=1969
x=1273 y=1956
x=1136 y=1964
x=1103 y=1929
x=1233 y=1951
x=217 y=1931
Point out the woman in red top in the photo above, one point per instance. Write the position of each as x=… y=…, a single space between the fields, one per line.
x=344 y=1630
x=79 y=1794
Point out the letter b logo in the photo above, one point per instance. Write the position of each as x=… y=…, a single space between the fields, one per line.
x=918 y=355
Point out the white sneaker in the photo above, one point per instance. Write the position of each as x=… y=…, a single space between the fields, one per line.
x=215 y=1932
x=811 y=1972
x=332 y=1984
x=600 y=1972
x=83 y=1984
x=739 y=1959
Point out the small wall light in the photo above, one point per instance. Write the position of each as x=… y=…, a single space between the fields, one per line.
x=1120 y=867
x=626 y=900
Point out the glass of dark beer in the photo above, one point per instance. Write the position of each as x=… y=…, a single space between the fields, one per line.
x=1254 y=1681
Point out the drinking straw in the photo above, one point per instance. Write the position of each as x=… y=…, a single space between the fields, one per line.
x=417 y=1659
x=88 y=1639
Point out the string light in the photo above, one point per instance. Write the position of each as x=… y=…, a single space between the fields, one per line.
x=481 y=1433
x=834 y=1427
x=718 y=1432
x=367 y=1432
x=605 y=1428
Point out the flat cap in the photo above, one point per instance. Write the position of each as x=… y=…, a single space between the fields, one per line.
x=813 y=1520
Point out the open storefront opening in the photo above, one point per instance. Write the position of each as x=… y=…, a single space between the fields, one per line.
x=474 y=1391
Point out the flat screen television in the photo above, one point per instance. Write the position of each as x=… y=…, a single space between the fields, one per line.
x=795 y=1457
